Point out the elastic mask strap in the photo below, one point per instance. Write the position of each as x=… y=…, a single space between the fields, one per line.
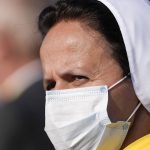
x=118 y=82
x=133 y=113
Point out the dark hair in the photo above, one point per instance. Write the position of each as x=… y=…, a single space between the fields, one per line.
x=95 y=15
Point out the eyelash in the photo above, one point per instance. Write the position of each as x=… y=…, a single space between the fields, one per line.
x=79 y=80
x=79 y=77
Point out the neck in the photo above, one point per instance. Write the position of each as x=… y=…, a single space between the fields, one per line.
x=122 y=102
x=140 y=126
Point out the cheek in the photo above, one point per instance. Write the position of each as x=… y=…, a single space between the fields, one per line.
x=96 y=82
x=105 y=74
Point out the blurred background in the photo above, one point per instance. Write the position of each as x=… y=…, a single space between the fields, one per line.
x=22 y=98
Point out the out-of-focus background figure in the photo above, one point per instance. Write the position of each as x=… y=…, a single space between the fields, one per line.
x=21 y=91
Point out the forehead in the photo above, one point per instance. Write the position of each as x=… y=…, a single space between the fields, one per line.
x=71 y=36
x=71 y=44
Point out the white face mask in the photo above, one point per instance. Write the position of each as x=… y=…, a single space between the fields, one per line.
x=77 y=119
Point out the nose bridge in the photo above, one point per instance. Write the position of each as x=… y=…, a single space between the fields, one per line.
x=60 y=82
x=60 y=85
x=56 y=80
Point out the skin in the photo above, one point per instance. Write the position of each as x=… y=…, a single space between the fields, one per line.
x=80 y=57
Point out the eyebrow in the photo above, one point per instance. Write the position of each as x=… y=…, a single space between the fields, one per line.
x=74 y=71
x=65 y=74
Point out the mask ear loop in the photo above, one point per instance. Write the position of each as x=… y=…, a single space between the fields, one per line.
x=133 y=113
x=119 y=81
x=137 y=107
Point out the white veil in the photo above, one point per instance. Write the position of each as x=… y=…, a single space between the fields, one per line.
x=133 y=17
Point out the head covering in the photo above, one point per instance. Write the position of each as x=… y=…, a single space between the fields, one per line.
x=133 y=17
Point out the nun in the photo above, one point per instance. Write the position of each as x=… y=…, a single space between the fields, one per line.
x=96 y=64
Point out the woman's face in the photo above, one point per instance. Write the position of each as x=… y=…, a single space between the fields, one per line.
x=76 y=56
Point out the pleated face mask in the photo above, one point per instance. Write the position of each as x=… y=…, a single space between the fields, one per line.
x=77 y=119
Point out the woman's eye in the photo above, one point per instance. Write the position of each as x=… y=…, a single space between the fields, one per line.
x=50 y=85
x=79 y=80
x=79 y=77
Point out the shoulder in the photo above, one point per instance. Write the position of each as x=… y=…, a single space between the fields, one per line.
x=140 y=144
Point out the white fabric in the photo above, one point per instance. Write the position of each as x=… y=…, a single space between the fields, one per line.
x=133 y=17
x=77 y=119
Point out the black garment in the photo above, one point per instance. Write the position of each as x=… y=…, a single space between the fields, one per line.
x=22 y=122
